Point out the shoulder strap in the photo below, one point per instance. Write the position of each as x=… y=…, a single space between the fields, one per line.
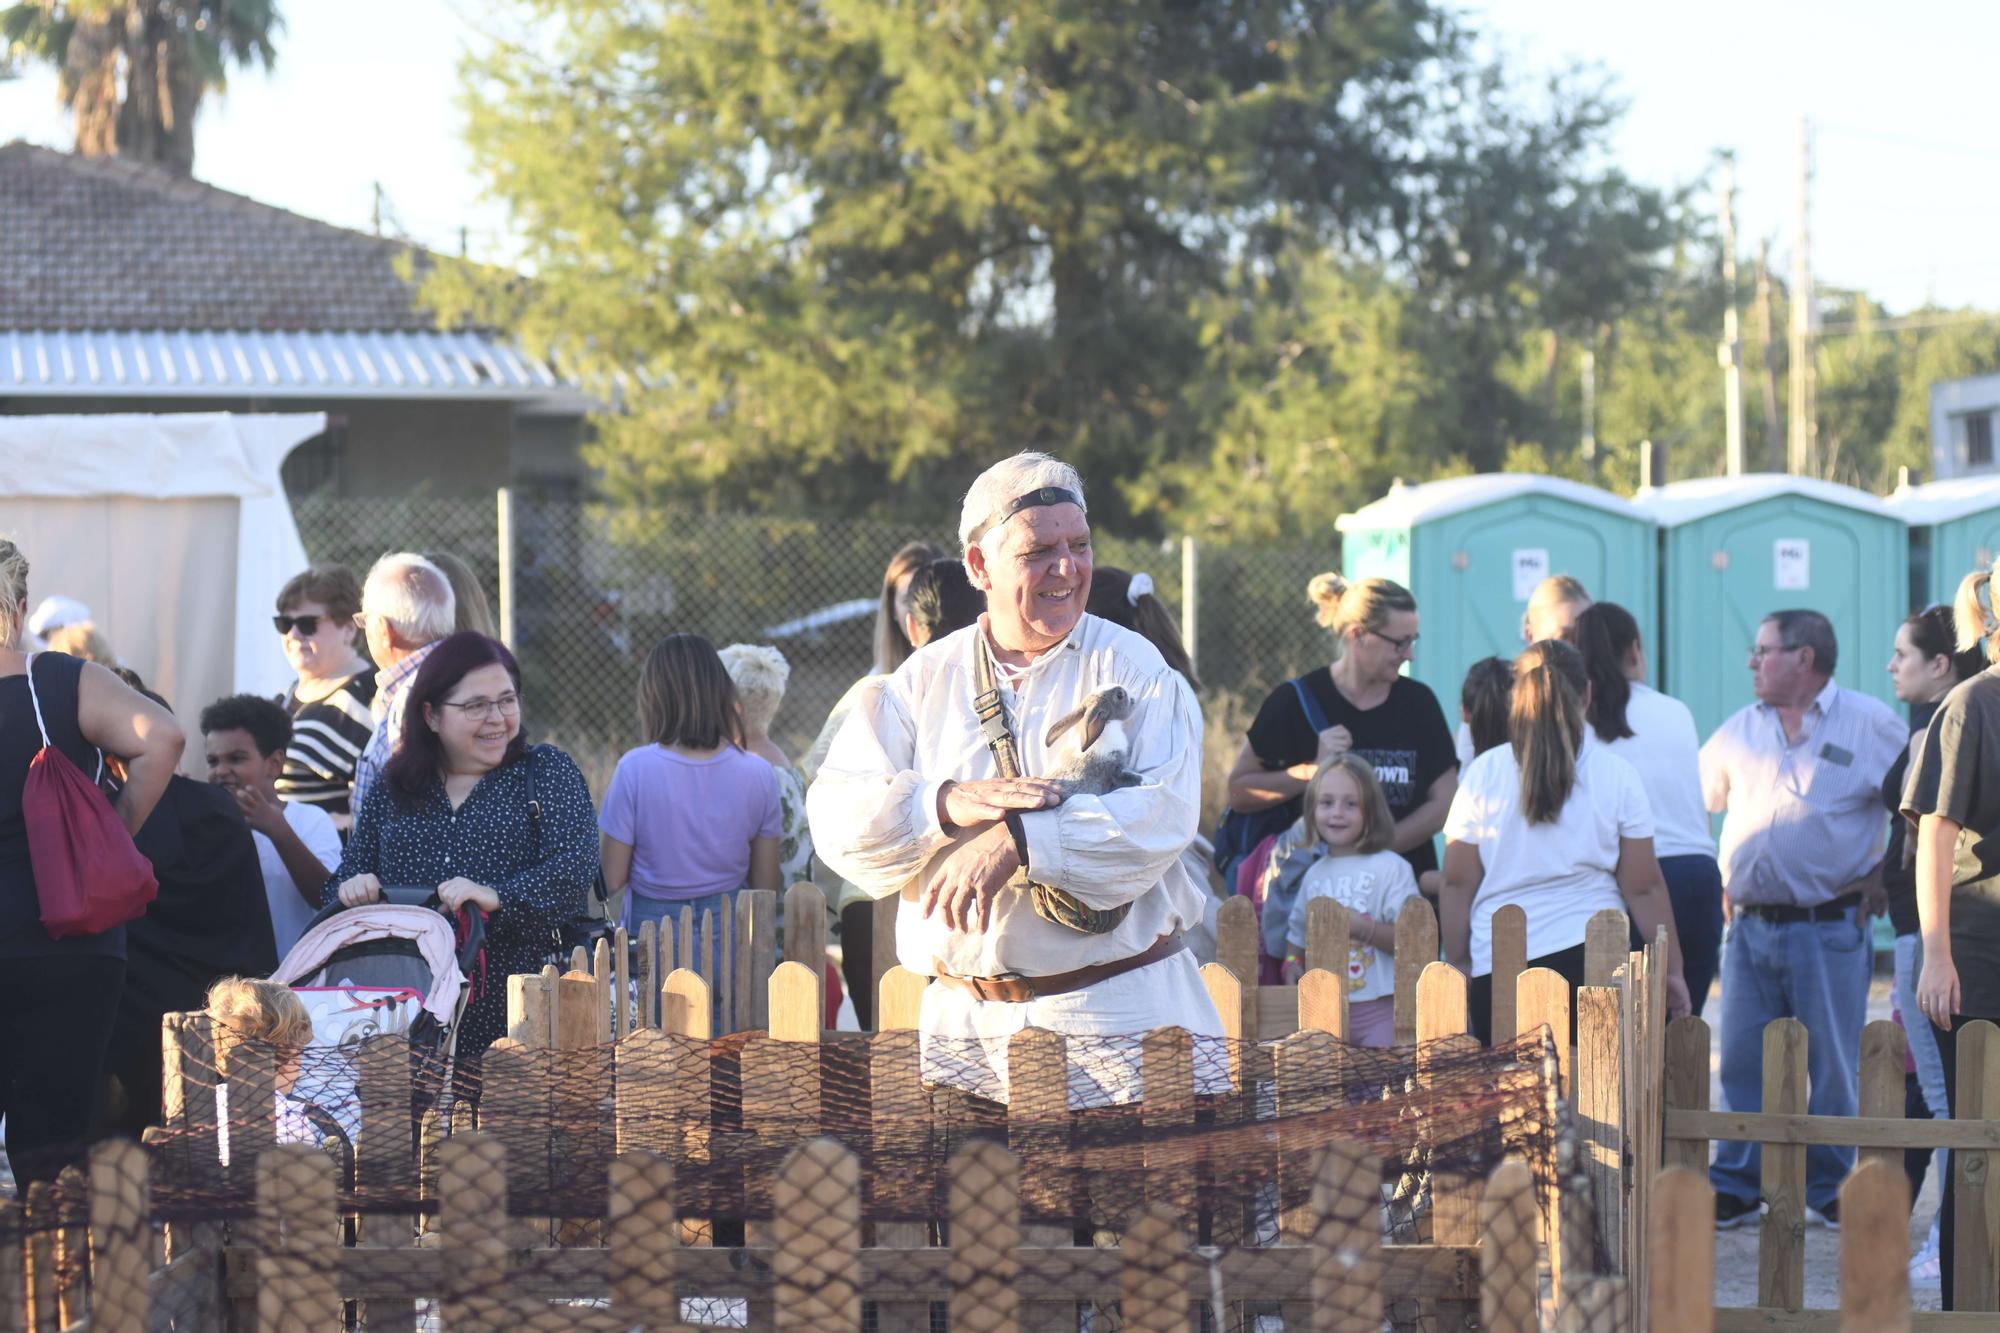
x=35 y=698
x=992 y=713
x=534 y=806
x=1315 y=716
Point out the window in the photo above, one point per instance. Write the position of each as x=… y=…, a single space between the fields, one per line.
x=1978 y=429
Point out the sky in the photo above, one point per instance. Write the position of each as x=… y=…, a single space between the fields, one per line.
x=1907 y=151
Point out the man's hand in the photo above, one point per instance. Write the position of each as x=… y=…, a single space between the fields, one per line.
x=457 y=892
x=968 y=805
x=260 y=811
x=359 y=890
x=965 y=886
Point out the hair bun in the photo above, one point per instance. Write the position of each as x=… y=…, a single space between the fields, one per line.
x=1326 y=590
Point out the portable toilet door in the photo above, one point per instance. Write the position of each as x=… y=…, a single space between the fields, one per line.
x=1954 y=530
x=1471 y=550
x=1735 y=549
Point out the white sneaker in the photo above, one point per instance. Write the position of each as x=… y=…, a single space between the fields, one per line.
x=1924 y=1268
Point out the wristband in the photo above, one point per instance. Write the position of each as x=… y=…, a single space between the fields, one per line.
x=1020 y=836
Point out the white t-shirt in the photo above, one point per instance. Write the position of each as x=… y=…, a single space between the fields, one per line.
x=289 y=913
x=1666 y=750
x=1374 y=883
x=1560 y=873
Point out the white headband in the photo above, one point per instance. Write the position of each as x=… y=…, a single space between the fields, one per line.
x=1142 y=584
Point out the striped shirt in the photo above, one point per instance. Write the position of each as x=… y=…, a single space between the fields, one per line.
x=1802 y=817
x=327 y=736
x=392 y=690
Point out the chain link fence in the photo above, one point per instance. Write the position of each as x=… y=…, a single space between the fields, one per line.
x=592 y=586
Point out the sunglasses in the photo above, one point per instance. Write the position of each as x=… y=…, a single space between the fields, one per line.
x=307 y=625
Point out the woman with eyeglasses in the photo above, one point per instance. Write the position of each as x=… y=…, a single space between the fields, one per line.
x=1364 y=704
x=330 y=701
x=467 y=806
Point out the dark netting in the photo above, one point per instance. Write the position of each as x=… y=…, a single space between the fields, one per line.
x=861 y=1181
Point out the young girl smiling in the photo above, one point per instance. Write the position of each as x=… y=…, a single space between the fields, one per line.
x=1347 y=813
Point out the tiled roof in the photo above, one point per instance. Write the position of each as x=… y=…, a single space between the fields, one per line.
x=105 y=243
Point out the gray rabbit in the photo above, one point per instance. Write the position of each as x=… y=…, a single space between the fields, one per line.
x=1103 y=747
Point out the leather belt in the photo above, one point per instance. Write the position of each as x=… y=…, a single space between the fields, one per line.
x=1786 y=914
x=1016 y=989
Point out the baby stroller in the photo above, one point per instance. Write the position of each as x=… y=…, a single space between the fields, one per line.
x=400 y=966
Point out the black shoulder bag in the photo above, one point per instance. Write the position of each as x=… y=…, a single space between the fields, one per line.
x=594 y=922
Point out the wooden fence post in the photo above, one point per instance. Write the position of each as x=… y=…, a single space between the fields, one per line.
x=298 y=1227
x=1875 y=1248
x=121 y=1240
x=686 y=1008
x=1781 y=1244
x=1347 y=1240
x=1416 y=949
x=1885 y=1050
x=13 y=1288
x=385 y=1147
x=805 y=932
x=1235 y=1003
x=1687 y=1080
x=899 y=999
x=472 y=1224
x=603 y=975
x=648 y=977
x=1323 y=1000
x=817 y=1228
x=900 y=1134
x=1154 y=1276
x=985 y=1212
x=1509 y=1292
x=1681 y=1250
x=1168 y=1109
x=756 y=956
x=1975 y=1283
x=1308 y=1076
x=1327 y=940
x=882 y=944
x=1237 y=940
x=1038 y=1134
x=1600 y=1096
x=1542 y=999
x=1510 y=960
x=643 y=1239
x=1607 y=938
x=1443 y=1023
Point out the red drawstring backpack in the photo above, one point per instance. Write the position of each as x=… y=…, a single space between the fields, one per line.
x=88 y=874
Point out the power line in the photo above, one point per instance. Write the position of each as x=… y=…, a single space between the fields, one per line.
x=1909 y=141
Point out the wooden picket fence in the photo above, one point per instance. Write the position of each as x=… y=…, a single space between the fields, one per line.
x=1880 y=1133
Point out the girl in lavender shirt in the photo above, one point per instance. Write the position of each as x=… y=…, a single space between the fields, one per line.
x=690 y=817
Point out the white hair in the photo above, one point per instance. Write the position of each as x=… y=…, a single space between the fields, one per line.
x=413 y=595
x=760 y=674
x=1008 y=480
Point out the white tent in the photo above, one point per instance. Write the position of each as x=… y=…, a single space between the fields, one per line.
x=173 y=529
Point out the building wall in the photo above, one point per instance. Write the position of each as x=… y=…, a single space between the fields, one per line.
x=390 y=447
x=1965 y=421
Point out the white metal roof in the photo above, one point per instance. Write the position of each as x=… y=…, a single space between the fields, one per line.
x=1943 y=501
x=1407 y=505
x=1685 y=501
x=314 y=365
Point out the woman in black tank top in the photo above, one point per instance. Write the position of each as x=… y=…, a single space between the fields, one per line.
x=57 y=997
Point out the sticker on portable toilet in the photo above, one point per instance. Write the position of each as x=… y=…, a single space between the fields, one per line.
x=1531 y=566
x=1792 y=563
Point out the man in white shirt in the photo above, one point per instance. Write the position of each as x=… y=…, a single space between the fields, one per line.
x=909 y=803
x=245 y=738
x=406 y=608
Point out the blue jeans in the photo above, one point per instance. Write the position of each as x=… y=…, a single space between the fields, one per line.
x=666 y=914
x=1816 y=972
x=1694 y=887
x=1922 y=1033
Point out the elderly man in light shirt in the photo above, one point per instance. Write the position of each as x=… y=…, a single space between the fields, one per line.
x=909 y=803
x=1798 y=777
x=406 y=608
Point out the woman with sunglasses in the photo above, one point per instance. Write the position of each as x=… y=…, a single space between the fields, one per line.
x=467 y=806
x=330 y=701
x=1364 y=704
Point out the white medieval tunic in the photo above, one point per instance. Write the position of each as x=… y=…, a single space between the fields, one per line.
x=873 y=808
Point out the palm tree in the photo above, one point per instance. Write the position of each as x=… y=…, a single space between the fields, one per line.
x=133 y=72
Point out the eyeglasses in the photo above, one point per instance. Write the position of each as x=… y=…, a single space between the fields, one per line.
x=482 y=710
x=1758 y=652
x=361 y=620
x=307 y=625
x=1402 y=645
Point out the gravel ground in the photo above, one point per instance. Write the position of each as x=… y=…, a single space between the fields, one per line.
x=1736 y=1249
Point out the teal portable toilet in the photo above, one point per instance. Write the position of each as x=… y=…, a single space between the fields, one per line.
x=1472 y=548
x=1735 y=549
x=1954 y=529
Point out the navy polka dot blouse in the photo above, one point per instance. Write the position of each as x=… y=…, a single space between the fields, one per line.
x=542 y=879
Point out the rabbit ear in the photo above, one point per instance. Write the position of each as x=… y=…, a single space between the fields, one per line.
x=1065 y=722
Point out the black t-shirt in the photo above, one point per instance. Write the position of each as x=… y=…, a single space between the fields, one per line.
x=1405 y=738
x=1899 y=882
x=1956 y=774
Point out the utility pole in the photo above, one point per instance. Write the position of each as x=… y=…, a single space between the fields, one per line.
x=1802 y=455
x=1589 y=446
x=1774 y=439
x=1730 y=353
x=378 y=208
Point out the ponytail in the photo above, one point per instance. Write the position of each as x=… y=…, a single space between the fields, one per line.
x=1604 y=633
x=1546 y=726
x=1973 y=615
